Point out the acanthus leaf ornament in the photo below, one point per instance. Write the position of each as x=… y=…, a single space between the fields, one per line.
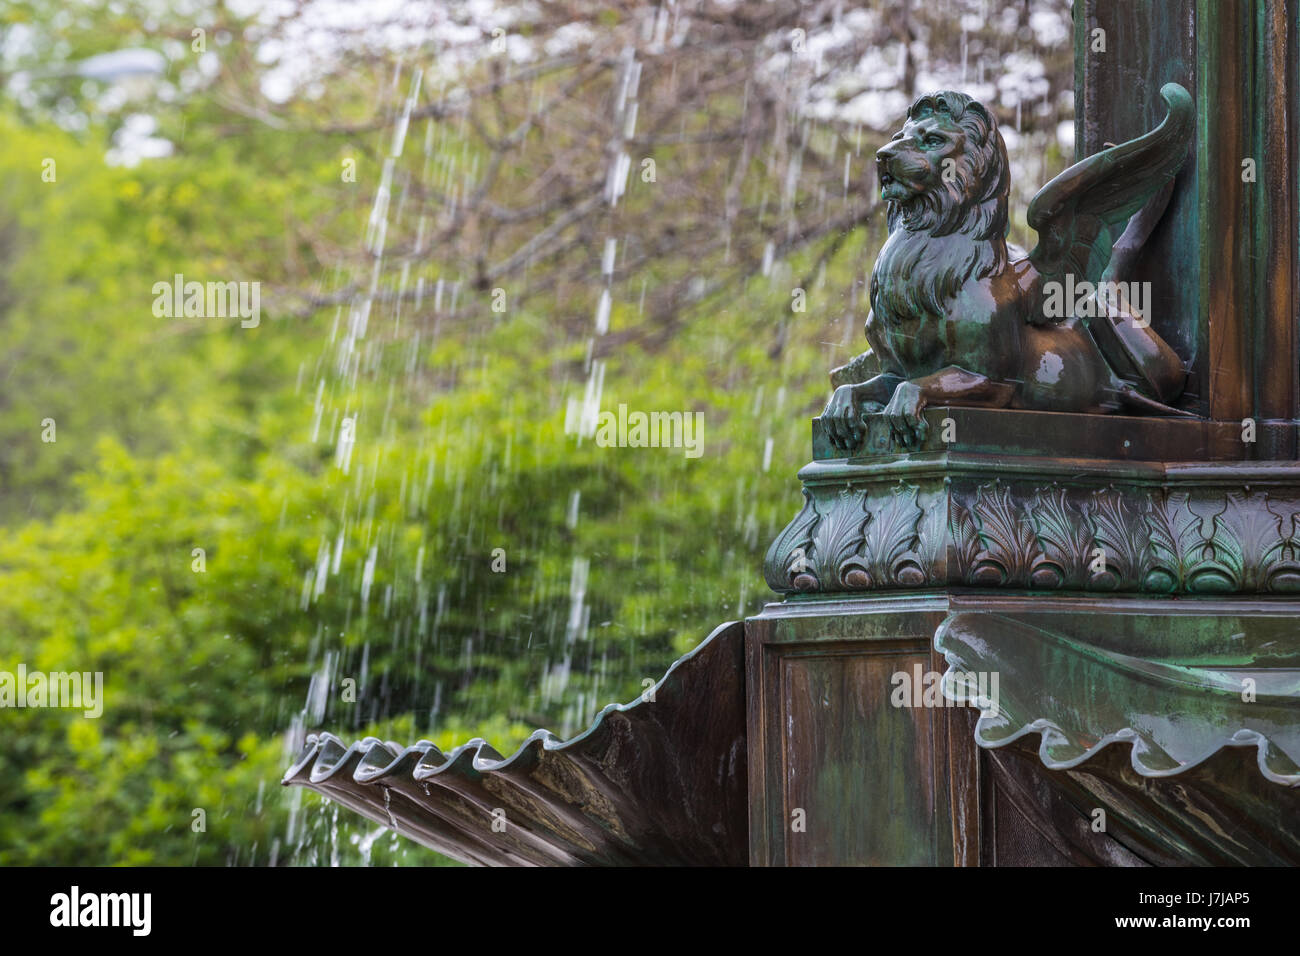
x=787 y=567
x=1247 y=539
x=1123 y=553
x=1043 y=537
x=1010 y=545
x=1177 y=546
x=891 y=537
x=836 y=540
x=1064 y=538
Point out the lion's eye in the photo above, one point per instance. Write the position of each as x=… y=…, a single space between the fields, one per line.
x=934 y=142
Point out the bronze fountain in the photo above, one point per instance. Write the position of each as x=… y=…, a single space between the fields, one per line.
x=1034 y=475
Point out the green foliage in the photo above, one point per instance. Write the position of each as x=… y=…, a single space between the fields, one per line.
x=179 y=434
x=171 y=438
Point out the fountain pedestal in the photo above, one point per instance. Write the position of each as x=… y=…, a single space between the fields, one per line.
x=1132 y=580
x=1131 y=583
x=1110 y=596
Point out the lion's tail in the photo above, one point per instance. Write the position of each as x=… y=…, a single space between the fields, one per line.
x=1134 y=399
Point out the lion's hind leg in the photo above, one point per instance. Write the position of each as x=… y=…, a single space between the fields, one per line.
x=1062 y=371
x=1135 y=352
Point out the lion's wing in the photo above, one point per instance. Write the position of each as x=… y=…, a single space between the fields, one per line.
x=1079 y=214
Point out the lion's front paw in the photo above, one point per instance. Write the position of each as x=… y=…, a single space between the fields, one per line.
x=842 y=419
x=904 y=415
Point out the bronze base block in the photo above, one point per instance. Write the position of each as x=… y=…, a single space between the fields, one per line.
x=856 y=756
x=1126 y=588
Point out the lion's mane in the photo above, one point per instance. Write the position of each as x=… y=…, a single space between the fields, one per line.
x=939 y=239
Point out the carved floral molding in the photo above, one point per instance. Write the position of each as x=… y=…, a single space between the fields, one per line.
x=1039 y=537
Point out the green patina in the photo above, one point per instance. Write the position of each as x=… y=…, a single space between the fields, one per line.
x=959 y=318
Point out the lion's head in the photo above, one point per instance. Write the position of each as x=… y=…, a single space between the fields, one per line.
x=945 y=171
x=945 y=179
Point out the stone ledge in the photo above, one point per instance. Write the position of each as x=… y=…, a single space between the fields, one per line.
x=1017 y=433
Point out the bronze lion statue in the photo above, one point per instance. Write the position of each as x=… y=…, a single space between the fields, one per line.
x=959 y=317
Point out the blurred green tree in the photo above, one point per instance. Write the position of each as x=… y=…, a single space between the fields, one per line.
x=355 y=466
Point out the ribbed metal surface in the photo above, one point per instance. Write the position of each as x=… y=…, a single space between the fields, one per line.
x=659 y=781
x=1178 y=687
